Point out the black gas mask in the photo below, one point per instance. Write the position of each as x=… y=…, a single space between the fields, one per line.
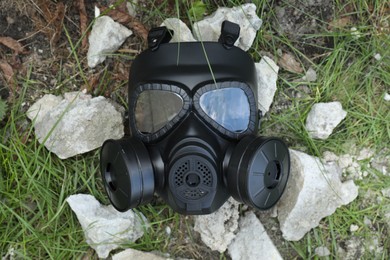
x=193 y=120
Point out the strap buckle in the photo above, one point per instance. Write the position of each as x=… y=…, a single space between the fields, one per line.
x=229 y=34
x=158 y=36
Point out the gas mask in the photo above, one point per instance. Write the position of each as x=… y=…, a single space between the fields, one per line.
x=194 y=121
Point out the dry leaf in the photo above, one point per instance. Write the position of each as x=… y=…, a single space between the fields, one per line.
x=83 y=23
x=7 y=71
x=12 y=44
x=288 y=62
x=118 y=16
x=340 y=23
x=93 y=82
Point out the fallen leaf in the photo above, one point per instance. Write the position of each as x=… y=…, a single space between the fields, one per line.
x=12 y=44
x=340 y=23
x=288 y=62
x=93 y=82
x=7 y=71
x=83 y=23
x=118 y=15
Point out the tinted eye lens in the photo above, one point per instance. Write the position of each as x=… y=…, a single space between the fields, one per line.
x=155 y=108
x=229 y=107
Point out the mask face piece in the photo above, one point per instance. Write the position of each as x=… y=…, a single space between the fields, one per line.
x=193 y=120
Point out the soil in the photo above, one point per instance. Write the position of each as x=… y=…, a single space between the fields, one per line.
x=298 y=19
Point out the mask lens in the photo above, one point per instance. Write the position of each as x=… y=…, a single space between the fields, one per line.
x=229 y=107
x=155 y=108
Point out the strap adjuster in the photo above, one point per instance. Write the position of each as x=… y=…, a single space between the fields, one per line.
x=229 y=34
x=158 y=36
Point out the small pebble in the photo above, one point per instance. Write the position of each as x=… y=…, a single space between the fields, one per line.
x=168 y=230
x=353 y=228
x=322 y=251
x=367 y=221
x=311 y=75
x=387 y=97
x=386 y=192
x=377 y=56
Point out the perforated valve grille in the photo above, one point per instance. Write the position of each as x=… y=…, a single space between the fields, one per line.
x=192 y=178
x=194 y=194
x=179 y=173
x=205 y=173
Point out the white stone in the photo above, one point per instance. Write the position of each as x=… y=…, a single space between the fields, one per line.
x=377 y=56
x=322 y=251
x=75 y=124
x=381 y=161
x=40 y=108
x=132 y=7
x=353 y=228
x=311 y=75
x=386 y=192
x=345 y=161
x=323 y=118
x=97 y=12
x=106 y=37
x=218 y=229
x=181 y=32
x=252 y=241
x=330 y=156
x=387 y=217
x=267 y=74
x=136 y=254
x=209 y=29
x=105 y=228
x=168 y=230
x=365 y=153
x=386 y=97
x=367 y=222
x=313 y=192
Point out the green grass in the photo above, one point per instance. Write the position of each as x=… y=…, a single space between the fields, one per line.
x=37 y=223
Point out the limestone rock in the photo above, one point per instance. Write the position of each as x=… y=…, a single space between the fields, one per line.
x=105 y=228
x=136 y=254
x=386 y=97
x=310 y=76
x=386 y=192
x=322 y=251
x=381 y=161
x=132 y=7
x=209 y=29
x=323 y=118
x=181 y=32
x=313 y=192
x=267 y=74
x=74 y=124
x=40 y=108
x=106 y=37
x=217 y=229
x=252 y=241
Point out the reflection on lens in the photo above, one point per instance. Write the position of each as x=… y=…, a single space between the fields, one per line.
x=229 y=107
x=155 y=108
